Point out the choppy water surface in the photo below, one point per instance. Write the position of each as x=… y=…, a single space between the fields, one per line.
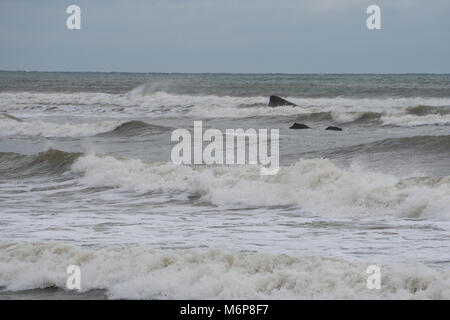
x=86 y=178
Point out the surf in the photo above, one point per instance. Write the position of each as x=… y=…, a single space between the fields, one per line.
x=312 y=185
x=143 y=272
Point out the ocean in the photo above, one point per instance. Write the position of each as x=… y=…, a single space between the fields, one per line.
x=86 y=179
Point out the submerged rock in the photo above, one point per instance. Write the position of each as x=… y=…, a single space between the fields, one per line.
x=334 y=128
x=276 y=101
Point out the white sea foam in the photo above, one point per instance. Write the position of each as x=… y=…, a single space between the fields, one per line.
x=314 y=185
x=140 y=272
x=10 y=127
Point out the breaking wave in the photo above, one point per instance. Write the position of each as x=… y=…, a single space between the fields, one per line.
x=141 y=272
x=410 y=111
x=314 y=185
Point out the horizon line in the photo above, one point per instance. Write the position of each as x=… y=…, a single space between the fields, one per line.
x=235 y=73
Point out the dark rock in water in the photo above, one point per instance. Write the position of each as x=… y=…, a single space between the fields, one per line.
x=299 y=126
x=334 y=128
x=276 y=101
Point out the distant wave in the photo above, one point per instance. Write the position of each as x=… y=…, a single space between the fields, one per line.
x=157 y=104
x=134 y=128
x=313 y=185
x=414 y=120
x=15 y=165
x=340 y=117
x=12 y=127
x=411 y=116
x=425 y=110
x=423 y=144
x=141 y=272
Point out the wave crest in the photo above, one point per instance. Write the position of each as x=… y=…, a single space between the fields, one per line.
x=52 y=161
x=9 y=127
x=313 y=185
x=141 y=272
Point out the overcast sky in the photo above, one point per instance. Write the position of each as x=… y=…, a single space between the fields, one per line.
x=242 y=36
